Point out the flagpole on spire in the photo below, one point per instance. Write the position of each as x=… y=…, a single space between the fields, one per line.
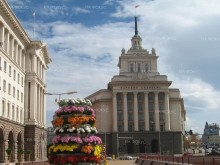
x=34 y=26
x=136 y=28
x=135 y=9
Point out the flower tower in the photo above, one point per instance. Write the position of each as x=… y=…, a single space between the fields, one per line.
x=75 y=142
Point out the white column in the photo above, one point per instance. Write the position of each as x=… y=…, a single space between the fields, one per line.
x=12 y=47
x=44 y=109
x=2 y=33
x=115 y=128
x=135 y=112
x=7 y=42
x=146 y=112
x=34 y=63
x=167 y=112
x=33 y=101
x=157 y=121
x=19 y=56
x=15 y=52
x=125 y=112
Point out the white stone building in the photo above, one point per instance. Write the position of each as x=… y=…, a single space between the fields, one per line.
x=139 y=112
x=23 y=64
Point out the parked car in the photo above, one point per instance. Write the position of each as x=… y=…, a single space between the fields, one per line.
x=109 y=158
x=126 y=157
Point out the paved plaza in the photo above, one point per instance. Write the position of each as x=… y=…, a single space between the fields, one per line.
x=121 y=162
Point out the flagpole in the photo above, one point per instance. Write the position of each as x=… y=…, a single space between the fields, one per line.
x=135 y=9
x=34 y=26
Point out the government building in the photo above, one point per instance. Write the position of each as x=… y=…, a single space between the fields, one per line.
x=23 y=65
x=139 y=112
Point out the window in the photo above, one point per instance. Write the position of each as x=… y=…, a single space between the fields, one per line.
x=8 y=109
x=9 y=71
x=3 y=107
x=14 y=76
x=131 y=67
x=13 y=112
x=13 y=91
x=18 y=78
x=146 y=67
x=139 y=68
x=5 y=66
x=21 y=111
x=17 y=114
x=21 y=97
x=9 y=88
x=22 y=81
x=17 y=94
x=4 y=85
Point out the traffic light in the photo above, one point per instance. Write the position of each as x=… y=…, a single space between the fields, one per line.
x=190 y=132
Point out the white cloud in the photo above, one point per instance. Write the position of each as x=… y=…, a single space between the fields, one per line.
x=85 y=58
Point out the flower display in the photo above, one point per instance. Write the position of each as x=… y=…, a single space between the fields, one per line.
x=74 y=128
x=75 y=110
x=92 y=139
x=74 y=101
x=58 y=122
x=87 y=149
x=62 y=147
x=70 y=159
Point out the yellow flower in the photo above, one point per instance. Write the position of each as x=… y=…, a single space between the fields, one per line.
x=97 y=151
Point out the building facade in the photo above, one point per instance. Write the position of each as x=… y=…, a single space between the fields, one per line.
x=23 y=64
x=210 y=137
x=139 y=112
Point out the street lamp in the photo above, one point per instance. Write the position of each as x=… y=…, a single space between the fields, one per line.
x=59 y=94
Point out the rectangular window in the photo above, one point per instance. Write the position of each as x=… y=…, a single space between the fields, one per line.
x=3 y=107
x=139 y=67
x=13 y=112
x=4 y=85
x=21 y=97
x=8 y=109
x=17 y=94
x=13 y=91
x=18 y=78
x=22 y=81
x=9 y=88
x=17 y=113
x=21 y=111
x=14 y=76
x=131 y=67
x=146 y=67
x=9 y=71
x=5 y=66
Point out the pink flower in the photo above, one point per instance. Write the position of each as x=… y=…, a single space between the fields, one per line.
x=56 y=139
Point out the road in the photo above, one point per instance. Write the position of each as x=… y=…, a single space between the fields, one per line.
x=121 y=162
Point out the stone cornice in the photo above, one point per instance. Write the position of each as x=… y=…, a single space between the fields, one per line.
x=126 y=83
x=14 y=21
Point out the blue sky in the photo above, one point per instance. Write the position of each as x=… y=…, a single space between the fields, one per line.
x=85 y=38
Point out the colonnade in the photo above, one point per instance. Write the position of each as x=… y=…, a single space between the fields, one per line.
x=151 y=123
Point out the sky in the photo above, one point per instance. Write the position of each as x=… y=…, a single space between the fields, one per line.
x=85 y=38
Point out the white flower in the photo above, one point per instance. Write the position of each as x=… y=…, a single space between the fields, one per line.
x=61 y=130
x=55 y=130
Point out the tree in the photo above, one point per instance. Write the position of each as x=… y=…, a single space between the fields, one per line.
x=192 y=141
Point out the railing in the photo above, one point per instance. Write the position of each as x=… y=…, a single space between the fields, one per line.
x=195 y=160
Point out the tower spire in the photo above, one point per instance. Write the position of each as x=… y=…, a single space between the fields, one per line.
x=136 y=27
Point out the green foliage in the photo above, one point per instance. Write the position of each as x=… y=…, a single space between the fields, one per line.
x=8 y=151
x=21 y=151
x=28 y=151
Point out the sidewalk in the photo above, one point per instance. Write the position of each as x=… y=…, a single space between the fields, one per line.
x=121 y=162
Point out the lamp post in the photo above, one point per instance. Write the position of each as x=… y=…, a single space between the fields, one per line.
x=59 y=94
